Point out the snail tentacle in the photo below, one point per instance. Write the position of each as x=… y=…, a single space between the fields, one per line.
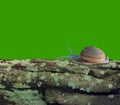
x=72 y=56
x=70 y=51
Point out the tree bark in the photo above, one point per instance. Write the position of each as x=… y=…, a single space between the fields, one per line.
x=62 y=82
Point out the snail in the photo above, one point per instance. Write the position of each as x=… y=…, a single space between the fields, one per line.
x=90 y=54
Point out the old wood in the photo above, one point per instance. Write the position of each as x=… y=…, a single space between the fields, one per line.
x=62 y=82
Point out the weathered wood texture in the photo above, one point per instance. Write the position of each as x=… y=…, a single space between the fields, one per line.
x=62 y=82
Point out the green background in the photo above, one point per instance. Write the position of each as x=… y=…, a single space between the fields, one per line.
x=37 y=29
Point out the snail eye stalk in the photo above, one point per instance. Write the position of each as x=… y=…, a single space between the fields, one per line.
x=70 y=51
x=72 y=56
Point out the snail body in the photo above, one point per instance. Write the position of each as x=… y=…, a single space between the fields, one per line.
x=90 y=54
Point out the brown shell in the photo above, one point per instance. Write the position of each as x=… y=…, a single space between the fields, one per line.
x=92 y=54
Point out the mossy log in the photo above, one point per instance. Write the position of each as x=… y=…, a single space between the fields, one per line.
x=59 y=82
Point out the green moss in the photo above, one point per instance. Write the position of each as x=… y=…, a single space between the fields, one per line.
x=25 y=63
x=61 y=77
x=110 y=85
x=62 y=63
x=111 y=96
x=85 y=71
x=88 y=89
x=87 y=78
x=20 y=85
x=72 y=84
x=1 y=75
x=31 y=68
x=102 y=72
x=8 y=68
x=42 y=77
x=89 y=103
x=30 y=76
x=57 y=84
x=43 y=64
x=66 y=74
x=39 y=84
x=19 y=78
x=83 y=67
x=55 y=78
x=2 y=86
x=99 y=80
x=25 y=97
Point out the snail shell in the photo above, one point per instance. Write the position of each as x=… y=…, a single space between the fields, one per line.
x=92 y=54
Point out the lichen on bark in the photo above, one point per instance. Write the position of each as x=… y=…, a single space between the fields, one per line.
x=36 y=81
